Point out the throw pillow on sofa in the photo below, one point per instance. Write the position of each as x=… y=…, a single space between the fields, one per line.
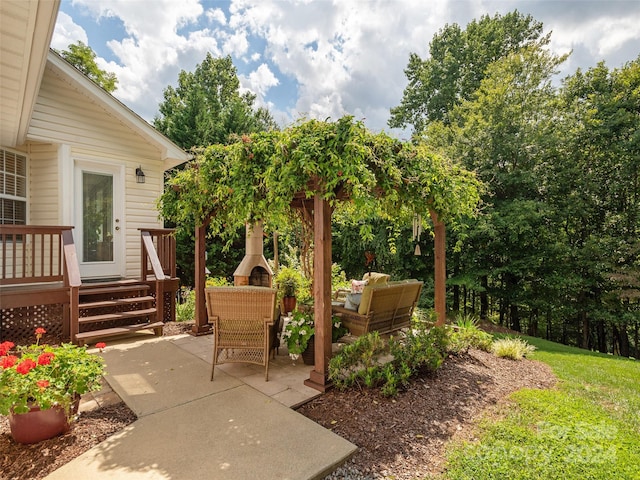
x=373 y=279
x=352 y=301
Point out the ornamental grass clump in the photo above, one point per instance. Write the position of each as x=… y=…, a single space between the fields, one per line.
x=45 y=376
x=467 y=334
x=512 y=348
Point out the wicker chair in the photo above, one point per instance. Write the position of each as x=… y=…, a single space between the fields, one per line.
x=241 y=319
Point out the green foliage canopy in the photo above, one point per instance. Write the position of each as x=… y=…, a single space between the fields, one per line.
x=457 y=63
x=207 y=106
x=83 y=58
x=258 y=177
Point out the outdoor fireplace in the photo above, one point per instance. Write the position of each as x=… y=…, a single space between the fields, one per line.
x=254 y=269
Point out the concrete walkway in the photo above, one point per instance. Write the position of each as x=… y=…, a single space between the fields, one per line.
x=191 y=428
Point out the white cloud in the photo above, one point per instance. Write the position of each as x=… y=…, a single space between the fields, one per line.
x=67 y=32
x=216 y=15
x=260 y=80
x=342 y=56
x=614 y=33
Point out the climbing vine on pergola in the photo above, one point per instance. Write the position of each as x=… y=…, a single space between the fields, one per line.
x=265 y=176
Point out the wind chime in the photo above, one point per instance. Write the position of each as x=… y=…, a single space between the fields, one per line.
x=417 y=231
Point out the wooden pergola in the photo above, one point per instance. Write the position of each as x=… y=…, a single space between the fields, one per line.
x=322 y=211
x=324 y=192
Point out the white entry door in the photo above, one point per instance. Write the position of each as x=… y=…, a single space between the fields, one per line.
x=99 y=232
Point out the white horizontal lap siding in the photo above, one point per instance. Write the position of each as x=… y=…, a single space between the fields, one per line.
x=65 y=115
x=43 y=185
x=141 y=208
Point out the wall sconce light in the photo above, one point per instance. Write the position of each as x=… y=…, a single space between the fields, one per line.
x=139 y=175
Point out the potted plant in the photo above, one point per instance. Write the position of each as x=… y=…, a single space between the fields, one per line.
x=298 y=332
x=40 y=386
x=299 y=335
x=288 y=282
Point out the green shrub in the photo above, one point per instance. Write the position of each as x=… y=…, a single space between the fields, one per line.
x=363 y=364
x=217 y=282
x=512 y=348
x=423 y=317
x=357 y=363
x=466 y=335
x=186 y=310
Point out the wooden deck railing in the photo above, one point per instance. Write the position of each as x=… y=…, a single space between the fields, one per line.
x=158 y=253
x=158 y=259
x=45 y=258
x=38 y=254
x=39 y=267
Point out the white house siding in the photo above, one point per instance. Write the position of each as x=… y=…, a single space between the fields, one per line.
x=63 y=114
x=43 y=179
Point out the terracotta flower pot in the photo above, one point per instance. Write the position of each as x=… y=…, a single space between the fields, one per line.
x=289 y=304
x=38 y=425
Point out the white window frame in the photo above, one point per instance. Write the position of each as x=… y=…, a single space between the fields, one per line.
x=13 y=197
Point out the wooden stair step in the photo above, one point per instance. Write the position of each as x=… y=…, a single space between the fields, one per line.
x=122 y=281
x=117 y=302
x=106 y=317
x=82 y=337
x=117 y=289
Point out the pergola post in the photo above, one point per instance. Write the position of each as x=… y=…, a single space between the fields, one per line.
x=440 y=274
x=201 y=326
x=321 y=293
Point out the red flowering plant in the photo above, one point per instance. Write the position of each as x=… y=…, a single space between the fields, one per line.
x=45 y=376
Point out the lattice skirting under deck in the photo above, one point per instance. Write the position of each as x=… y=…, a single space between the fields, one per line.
x=18 y=324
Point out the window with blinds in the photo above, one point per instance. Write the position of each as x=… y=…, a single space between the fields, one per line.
x=13 y=188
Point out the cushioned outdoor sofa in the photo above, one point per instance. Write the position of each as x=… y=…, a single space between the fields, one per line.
x=384 y=306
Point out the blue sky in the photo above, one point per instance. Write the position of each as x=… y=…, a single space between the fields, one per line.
x=317 y=58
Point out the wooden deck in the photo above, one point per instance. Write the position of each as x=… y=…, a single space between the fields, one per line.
x=40 y=286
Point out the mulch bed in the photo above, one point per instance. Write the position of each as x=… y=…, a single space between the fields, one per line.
x=401 y=438
x=405 y=437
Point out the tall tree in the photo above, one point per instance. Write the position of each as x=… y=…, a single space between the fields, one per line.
x=207 y=106
x=83 y=58
x=457 y=63
x=594 y=187
x=502 y=133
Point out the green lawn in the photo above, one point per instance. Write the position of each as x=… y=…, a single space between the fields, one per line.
x=586 y=428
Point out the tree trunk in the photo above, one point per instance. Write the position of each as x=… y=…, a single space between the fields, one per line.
x=515 y=318
x=584 y=320
x=473 y=301
x=456 y=298
x=602 y=339
x=464 y=290
x=532 y=328
x=484 y=298
x=623 y=337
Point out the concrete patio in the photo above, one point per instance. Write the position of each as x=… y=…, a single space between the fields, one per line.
x=236 y=427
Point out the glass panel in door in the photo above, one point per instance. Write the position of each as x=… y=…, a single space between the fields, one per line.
x=97 y=217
